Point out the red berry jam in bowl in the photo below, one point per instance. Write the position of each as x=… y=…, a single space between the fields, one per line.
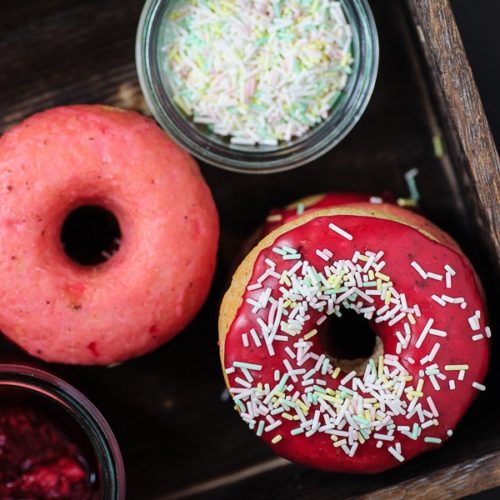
x=54 y=444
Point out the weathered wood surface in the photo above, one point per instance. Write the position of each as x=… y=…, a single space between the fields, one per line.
x=466 y=478
x=179 y=438
x=476 y=158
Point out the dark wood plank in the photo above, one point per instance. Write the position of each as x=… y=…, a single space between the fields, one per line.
x=175 y=430
x=474 y=153
x=481 y=474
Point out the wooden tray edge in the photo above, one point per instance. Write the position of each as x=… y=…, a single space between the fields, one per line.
x=451 y=482
x=474 y=148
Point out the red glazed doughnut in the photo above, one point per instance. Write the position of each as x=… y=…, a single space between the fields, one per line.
x=365 y=415
x=280 y=216
x=66 y=158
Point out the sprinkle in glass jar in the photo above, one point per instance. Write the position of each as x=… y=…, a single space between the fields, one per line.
x=260 y=85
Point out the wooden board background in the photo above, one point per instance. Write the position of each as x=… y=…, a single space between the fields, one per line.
x=178 y=436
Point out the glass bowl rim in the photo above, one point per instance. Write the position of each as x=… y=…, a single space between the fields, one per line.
x=279 y=161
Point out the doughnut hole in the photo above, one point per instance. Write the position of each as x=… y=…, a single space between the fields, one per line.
x=349 y=341
x=90 y=235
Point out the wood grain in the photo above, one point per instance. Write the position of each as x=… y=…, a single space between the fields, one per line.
x=475 y=155
x=456 y=481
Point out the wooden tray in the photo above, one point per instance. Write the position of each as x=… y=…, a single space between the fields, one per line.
x=179 y=437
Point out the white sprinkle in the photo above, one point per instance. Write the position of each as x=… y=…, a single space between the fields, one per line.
x=383 y=437
x=244 y=337
x=255 y=286
x=479 y=336
x=419 y=270
x=424 y=333
x=242 y=141
x=448 y=280
x=348 y=377
x=434 y=276
x=478 y=386
x=452 y=300
x=437 y=333
x=434 y=382
x=430 y=357
x=451 y=383
x=397 y=319
x=340 y=231
x=427 y=424
x=487 y=331
x=439 y=300
x=395 y=454
x=432 y=406
x=382 y=310
x=255 y=337
x=322 y=255
x=273 y=426
x=474 y=323
x=291 y=256
x=461 y=375
x=450 y=270
x=270 y=348
x=242 y=382
x=353 y=449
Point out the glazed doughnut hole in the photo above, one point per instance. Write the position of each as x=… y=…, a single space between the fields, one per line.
x=90 y=235
x=349 y=341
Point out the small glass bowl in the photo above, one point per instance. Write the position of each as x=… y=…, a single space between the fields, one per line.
x=36 y=389
x=217 y=150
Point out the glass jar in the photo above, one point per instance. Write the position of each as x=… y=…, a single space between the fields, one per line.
x=217 y=150
x=72 y=413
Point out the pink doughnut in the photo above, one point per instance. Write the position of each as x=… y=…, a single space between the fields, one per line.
x=145 y=190
x=318 y=400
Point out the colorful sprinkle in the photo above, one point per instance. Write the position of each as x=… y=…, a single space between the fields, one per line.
x=259 y=72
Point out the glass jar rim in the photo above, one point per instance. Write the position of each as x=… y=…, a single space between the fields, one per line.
x=297 y=152
x=82 y=411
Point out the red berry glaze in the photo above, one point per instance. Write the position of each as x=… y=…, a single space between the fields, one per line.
x=382 y=438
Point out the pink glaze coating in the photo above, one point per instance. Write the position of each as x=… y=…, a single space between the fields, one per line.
x=152 y=286
x=401 y=245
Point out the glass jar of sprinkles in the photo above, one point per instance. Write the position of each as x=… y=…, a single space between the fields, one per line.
x=257 y=85
x=72 y=439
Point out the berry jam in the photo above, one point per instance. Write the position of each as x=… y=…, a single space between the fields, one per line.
x=38 y=460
